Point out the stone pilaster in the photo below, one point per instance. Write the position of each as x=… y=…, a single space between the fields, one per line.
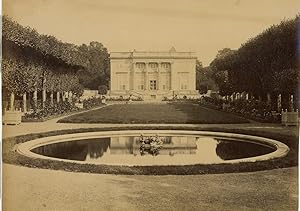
x=133 y=77
x=171 y=78
x=158 y=77
x=146 y=77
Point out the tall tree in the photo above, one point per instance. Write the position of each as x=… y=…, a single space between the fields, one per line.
x=204 y=79
x=98 y=72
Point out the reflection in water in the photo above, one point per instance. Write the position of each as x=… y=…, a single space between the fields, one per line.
x=228 y=150
x=175 y=150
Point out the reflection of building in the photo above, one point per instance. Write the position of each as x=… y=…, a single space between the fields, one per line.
x=121 y=145
x=153 y=75
x=171 y=146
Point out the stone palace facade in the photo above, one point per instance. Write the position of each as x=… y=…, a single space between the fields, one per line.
x=153 y=75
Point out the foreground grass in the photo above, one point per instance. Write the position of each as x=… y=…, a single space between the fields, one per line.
x=154 y=113
x=290 y=139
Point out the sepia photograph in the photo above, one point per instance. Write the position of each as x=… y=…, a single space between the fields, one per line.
x=150 y=105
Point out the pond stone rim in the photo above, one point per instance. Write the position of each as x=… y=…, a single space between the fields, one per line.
x=281 y=148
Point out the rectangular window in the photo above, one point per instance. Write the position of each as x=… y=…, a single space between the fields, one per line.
x=166 y=65
x=139 y=80
x=140 y=65
x=152 y=84
x=140 y=87
x=122 y=80
x=165 y=80
x=183 y=80
x=153 y=65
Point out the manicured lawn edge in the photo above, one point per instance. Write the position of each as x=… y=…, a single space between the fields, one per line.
x=70 y=113
x=143 y=117
x=10 y=155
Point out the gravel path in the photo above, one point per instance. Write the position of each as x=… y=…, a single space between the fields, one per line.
x=35 y=189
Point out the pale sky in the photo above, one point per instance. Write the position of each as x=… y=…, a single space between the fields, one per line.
x=202 y=26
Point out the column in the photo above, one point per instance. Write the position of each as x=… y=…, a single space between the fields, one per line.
x=146 y=77
x=158 y=76
x=171 y=78
x=133 y=77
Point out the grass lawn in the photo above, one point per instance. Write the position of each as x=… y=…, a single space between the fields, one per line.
x=154 y=113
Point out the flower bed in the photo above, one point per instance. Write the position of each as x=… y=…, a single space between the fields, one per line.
x=59 y=109
x=49 y=111
x=251 y=109
x=127 y=98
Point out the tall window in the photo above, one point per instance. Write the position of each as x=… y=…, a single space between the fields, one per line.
x=122 y=79
x=183 y=81
x=165 y=80
x=140 y=82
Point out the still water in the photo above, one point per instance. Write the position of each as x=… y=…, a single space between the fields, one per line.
x=153 y=150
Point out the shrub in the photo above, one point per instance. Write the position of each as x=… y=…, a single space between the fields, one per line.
x=92 y=102
x=102 y=89
x=50 y=110
x=253 y=109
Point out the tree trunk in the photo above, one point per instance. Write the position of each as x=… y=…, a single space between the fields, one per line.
x=24 y=103
x=247 y=96
x=291 y=103
x=35 y=99
x=70 y=97
x=259 y=98
x=269 y=101
x=279 y=107
x=51 y=98
x=12 y=101
x=57 y=97
x=63 y=96
x=44 y=97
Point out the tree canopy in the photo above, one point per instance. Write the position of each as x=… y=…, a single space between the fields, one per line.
x=44 y=44
x=267 y=63
x=204 y=79
x=97 y=71
x=32 y=61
